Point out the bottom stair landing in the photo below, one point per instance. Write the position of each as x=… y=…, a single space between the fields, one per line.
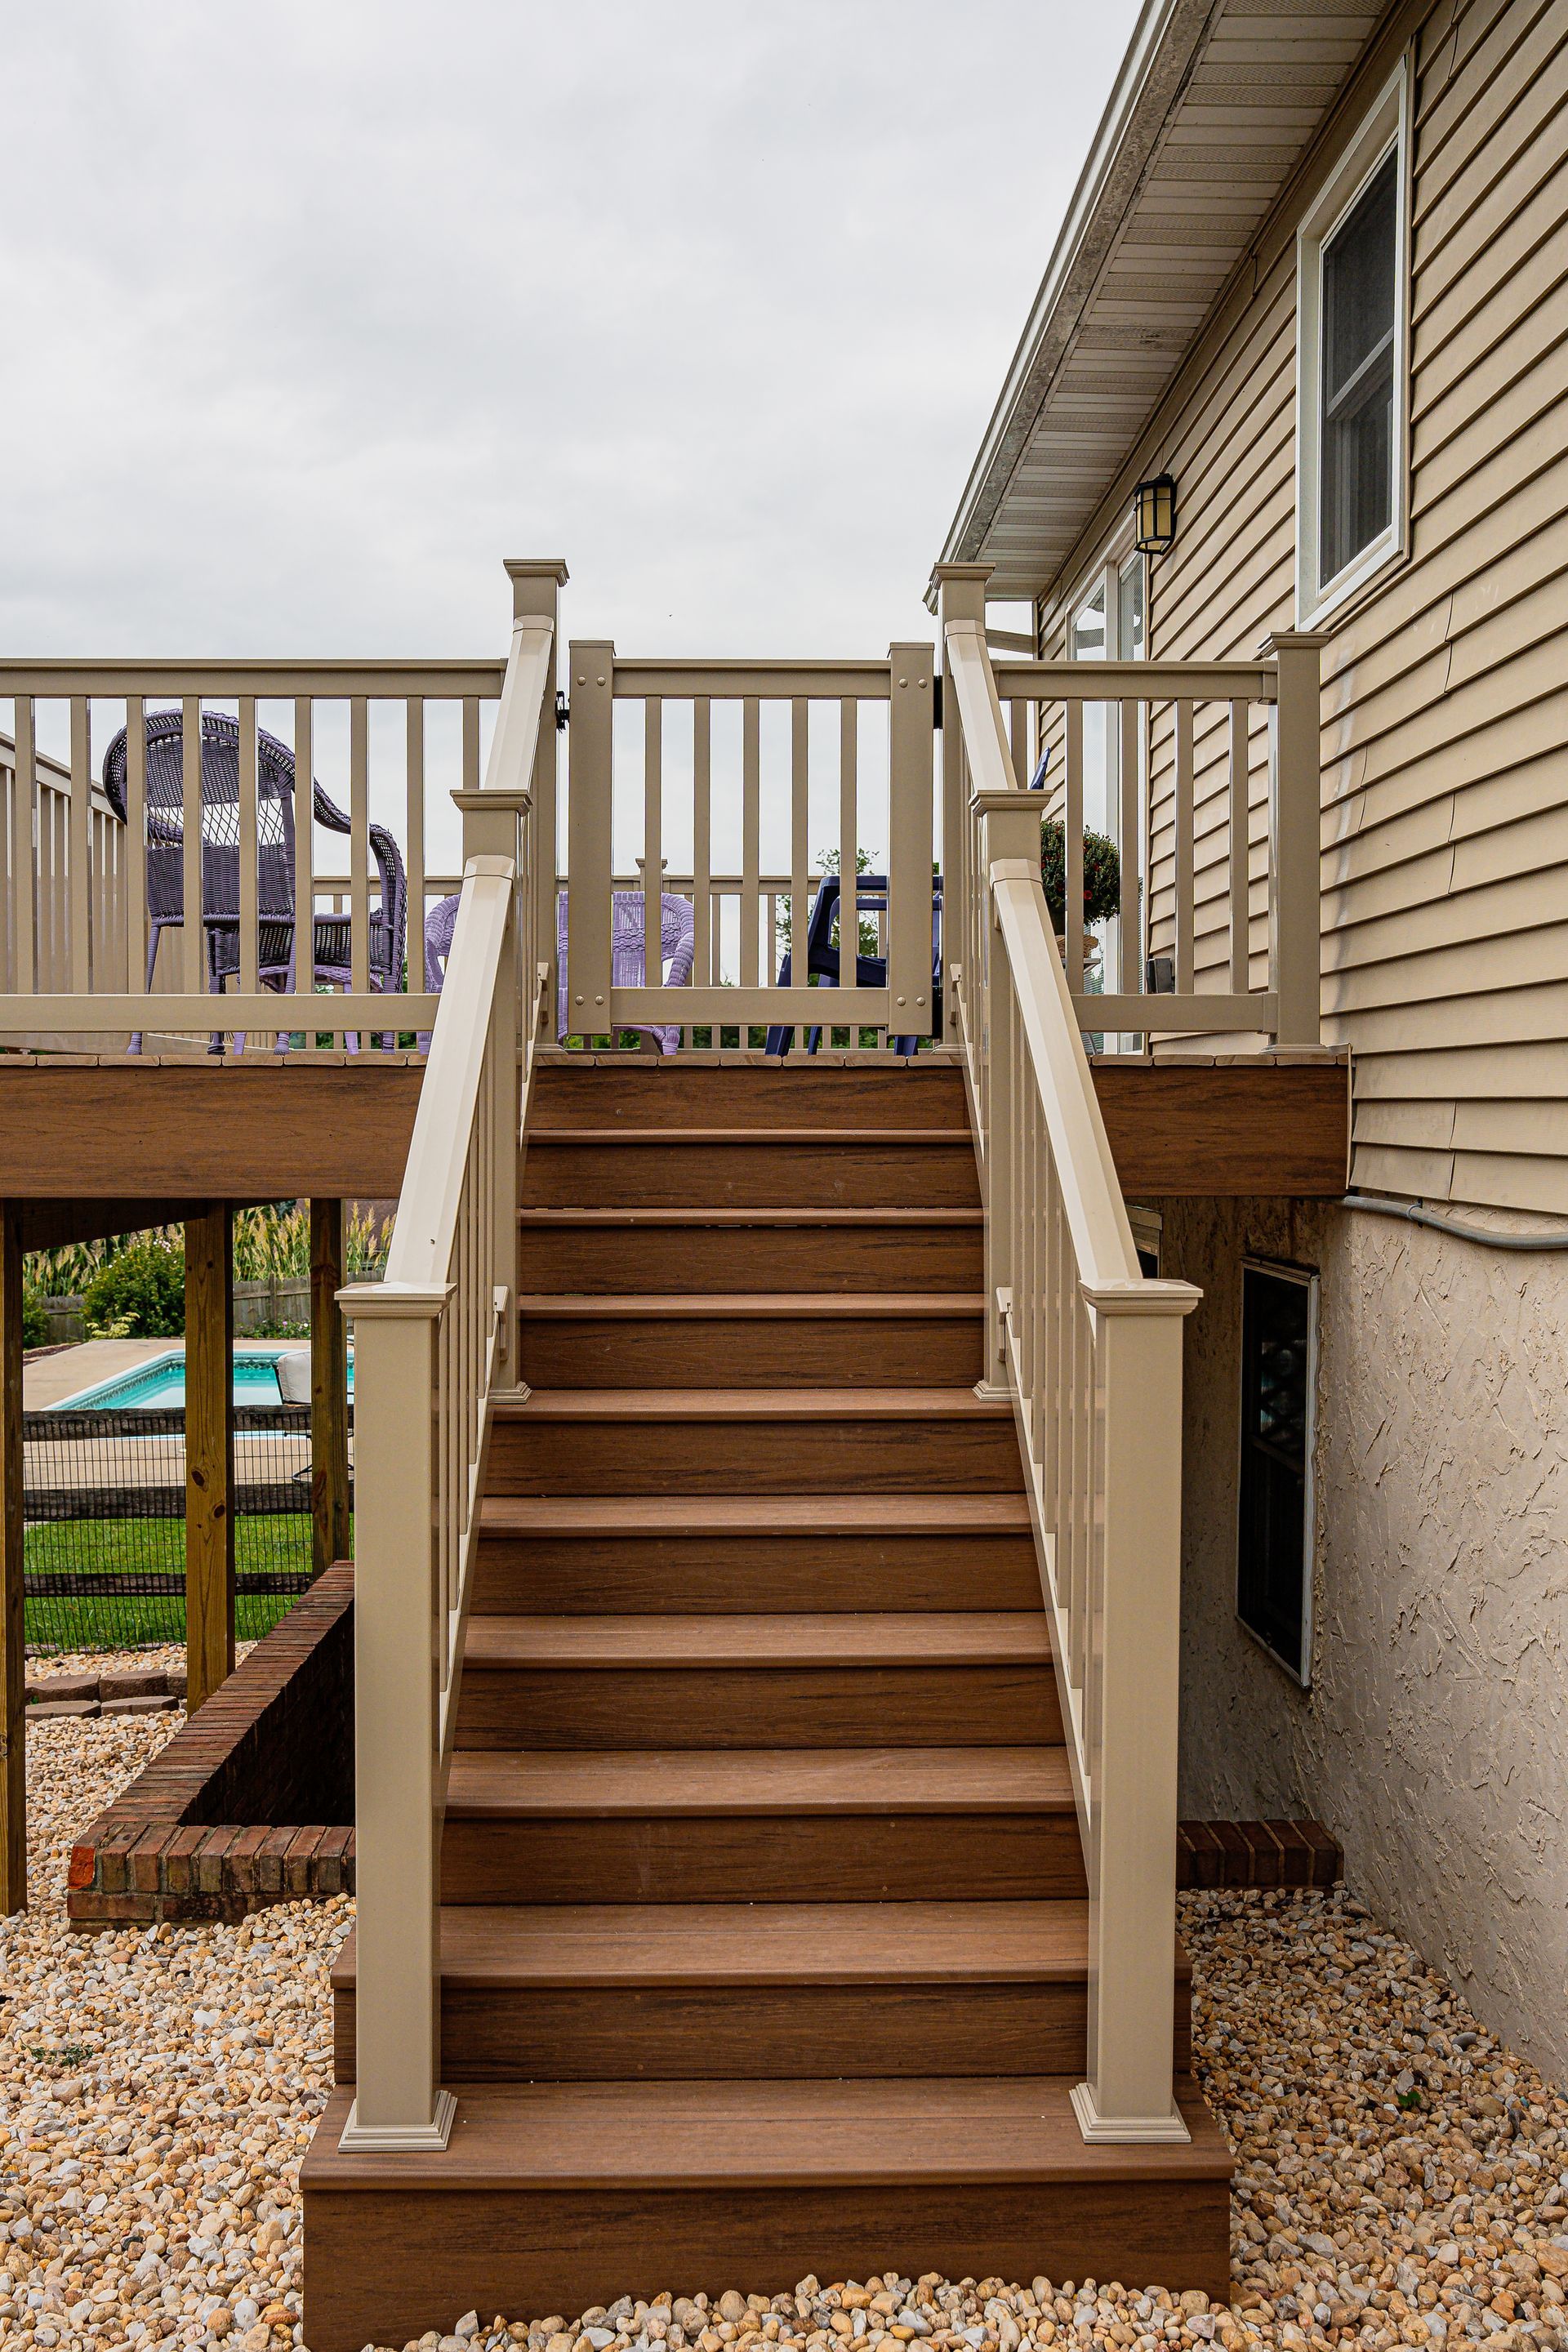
x=551 y=2197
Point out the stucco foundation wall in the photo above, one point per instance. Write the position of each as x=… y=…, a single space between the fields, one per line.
x=1433 y=1740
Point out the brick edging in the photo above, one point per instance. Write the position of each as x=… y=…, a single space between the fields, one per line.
x=1256 y=1853
x=154 y=1855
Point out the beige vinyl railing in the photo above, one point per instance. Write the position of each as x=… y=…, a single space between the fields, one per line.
x=1211 y=772
x=74 y=918
x=434 y=1342
x=816 y=801
x=1090 y=1352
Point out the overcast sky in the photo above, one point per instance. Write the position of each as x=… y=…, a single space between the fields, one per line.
x=315 y=310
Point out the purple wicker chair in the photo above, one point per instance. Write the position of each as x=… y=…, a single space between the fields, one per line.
x=678 y=948
x=333 y=942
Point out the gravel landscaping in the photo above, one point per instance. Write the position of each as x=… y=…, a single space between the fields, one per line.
x=1403 y=2180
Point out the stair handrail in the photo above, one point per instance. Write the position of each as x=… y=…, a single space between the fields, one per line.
x=1089 y=1350
x=434 y=1342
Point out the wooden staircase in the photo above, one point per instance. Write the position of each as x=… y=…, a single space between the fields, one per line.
x=764 y=1930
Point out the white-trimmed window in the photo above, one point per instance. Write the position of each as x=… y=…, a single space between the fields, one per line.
x=1352 y=259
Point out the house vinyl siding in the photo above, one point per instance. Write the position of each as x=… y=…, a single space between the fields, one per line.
x=1445 y=788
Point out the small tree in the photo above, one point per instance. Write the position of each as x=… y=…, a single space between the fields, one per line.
x=35 y=1322
x=140 y=1295
x=1101 y=876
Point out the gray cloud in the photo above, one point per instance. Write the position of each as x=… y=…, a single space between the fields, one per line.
x=318 y=308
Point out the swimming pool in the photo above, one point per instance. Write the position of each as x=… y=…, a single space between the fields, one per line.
x=159 y=1383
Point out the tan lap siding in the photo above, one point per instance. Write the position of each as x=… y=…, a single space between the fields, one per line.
x=1445 y=694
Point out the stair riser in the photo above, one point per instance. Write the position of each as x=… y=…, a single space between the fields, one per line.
x=382 y=2265
x=885 y=1456
x=611 y=1260
x=738 y=1351
x=780 y=1575
x=661 y=1174
x=776 y=2032
x=796 y=1095
x=762 y=1858
x=740 y=1706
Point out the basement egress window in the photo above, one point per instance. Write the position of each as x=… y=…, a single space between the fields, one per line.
x=1351 y=273
x=1278 y=1387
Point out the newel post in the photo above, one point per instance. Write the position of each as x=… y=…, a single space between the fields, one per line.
x=398 y=2099
x=592 y=671
x=1131 y=1844
x=536 y=584
x=911 y=691
x=958 y=593
x=1296 y=838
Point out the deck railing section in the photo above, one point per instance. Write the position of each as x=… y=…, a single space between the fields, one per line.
x=1205 y=777
x=434 y=1342
x=74 y=912
x=1090 y=1352
x=750 y=770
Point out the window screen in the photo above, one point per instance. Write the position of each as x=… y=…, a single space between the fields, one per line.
x=1358 y=323
x=1274 y=1554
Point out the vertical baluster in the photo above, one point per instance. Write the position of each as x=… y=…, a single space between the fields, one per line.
x=11 y=872
x=23 y=800
x=80 y=853
x=652 y=843
x=304 y=812
x=1018 y=739
x=1183 y=863
x=702 y=971
x=799 y=846
x=135 y=852
x=1240 y=853
x=194 y=957
x=750 y=847
x=249 y=849
x=414 y=831
x=848 y=845
x=359 y=836
x=1050 y=1349
x=1129 y=959
x=1072 y=842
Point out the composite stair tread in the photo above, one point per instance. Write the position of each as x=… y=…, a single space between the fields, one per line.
x=647 y=1944
x=864 y=1639
x=952 y=1138
x=784 y=1305
x=510 y=1783
x=766 y=1404
x=728 y=2135
x=669 y=1516
x=969 y=1218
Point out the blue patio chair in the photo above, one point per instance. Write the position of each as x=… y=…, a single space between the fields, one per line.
x=332 y=936
x=822 y=956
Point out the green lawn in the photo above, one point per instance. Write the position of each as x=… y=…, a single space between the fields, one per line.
x=128 y=1546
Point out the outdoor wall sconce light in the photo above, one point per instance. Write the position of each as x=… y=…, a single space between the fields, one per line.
x=1154 y=514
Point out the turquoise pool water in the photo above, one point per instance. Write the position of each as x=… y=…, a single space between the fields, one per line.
x=153 y=1387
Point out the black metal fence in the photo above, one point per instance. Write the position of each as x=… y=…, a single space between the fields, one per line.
x=103 y=1508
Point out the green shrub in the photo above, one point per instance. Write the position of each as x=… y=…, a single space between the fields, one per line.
x=140 y=1295
x=35 y=1322
x=1101 y=874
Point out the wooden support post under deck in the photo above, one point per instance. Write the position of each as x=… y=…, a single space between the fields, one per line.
x=209 y=1451
x=329 y=1391
x=13 y=1670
